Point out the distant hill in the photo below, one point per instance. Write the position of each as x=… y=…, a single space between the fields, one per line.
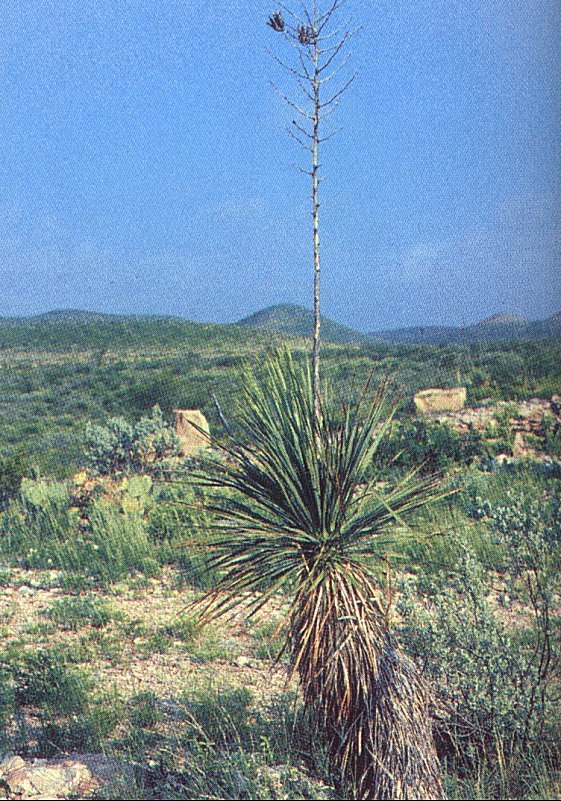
x=77 y=317
x=492 y=329
x=502 y=319
x=68 y=316
x=296 y=321
x=72 y=316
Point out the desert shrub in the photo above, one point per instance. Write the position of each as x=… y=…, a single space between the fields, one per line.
x=109 y=448
x=122 y=447
x=13 y=467
x=477 y=666
x=434 y=447
x=493 y=655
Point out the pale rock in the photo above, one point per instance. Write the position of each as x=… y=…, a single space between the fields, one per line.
x=191 y=426
x=433 y=401
x=77 y=776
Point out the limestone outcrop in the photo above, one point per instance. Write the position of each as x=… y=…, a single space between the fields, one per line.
x=75 y=776
x=191 y=426
x=434 y=401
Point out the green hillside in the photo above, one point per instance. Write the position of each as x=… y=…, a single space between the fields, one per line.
x=56 y=375
x=297 y=321
x=495 y=328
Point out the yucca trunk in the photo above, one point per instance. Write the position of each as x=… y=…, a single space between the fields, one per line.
x=367 y=697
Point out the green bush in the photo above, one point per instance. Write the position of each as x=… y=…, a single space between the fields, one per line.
x=434 y=447
x=122 y=447
x=490 y=652
x=13 y=467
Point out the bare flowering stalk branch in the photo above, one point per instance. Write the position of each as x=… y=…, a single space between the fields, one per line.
x=318 y=57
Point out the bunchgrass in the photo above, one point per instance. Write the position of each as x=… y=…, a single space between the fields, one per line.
x=75 y=612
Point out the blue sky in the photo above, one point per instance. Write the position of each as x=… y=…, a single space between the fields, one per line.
x=144 y=166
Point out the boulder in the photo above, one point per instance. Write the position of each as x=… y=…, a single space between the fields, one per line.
x=75 y=776
x=433 y=401
x=191 y=426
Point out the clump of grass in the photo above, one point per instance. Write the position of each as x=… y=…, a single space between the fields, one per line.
x=51 y=704
x=107 y=645
x=184 y=629
x=75 y=583
x=109 y=546
x=73 y=613
x=40 y=681
x=73 y=651
x=40 y=536
x=80 y=733
x=144 y=710
x=531 y=778
x=232 y=749
x=209 y=647
x=5 y=577
x=269 y=639
x=202 y=645
x=119 y=545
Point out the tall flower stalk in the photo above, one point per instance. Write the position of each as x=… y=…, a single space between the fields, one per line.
x=315 y=69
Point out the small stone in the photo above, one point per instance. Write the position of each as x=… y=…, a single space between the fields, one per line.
x=242 y=661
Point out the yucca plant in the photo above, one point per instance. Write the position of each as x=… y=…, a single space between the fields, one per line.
x=294 y=509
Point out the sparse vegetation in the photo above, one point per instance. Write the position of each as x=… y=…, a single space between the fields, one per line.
x=96 y=570
x=53 y=382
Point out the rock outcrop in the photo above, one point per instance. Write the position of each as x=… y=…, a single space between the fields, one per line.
x=527 y=420
x=434 y=401
x=191 y=426
x=75 y=776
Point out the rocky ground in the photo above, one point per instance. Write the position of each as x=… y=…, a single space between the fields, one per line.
x=525 y=420
x=147 y=646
